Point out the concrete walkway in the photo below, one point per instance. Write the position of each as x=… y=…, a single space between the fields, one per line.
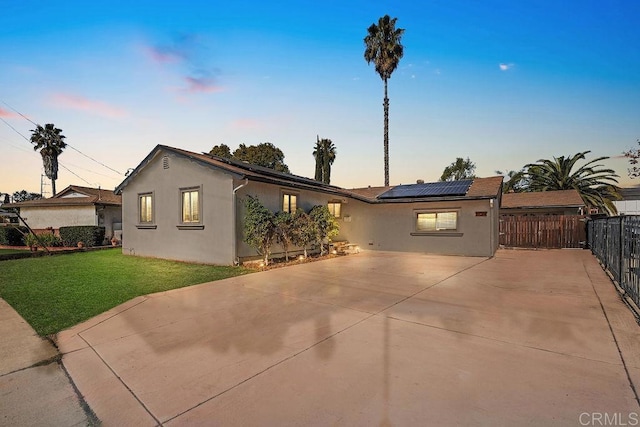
x=34 y=389
x=524 y=338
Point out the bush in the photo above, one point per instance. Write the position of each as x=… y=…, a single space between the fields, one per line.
x=31 y=240
x=50 y=239
x=12 y=236
x=90 y=235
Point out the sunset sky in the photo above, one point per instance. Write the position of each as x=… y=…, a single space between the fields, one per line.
x=502 y=82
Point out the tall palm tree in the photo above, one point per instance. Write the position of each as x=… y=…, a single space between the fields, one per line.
x=596 y=185
x=325 y=154
x=50 y=141
x=318 y=155
x=383 y=47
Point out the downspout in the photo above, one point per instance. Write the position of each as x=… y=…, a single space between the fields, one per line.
x=235 y=222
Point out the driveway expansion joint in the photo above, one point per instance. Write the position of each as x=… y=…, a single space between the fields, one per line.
x=613 y=334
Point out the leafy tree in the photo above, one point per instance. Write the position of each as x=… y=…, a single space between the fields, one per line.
x=259 y=227
x=325 y=154
x=221 y=150
x=283 y=222
x=50 y=141
x=634 y=157
x=266 y=155
x=305 y=230
x=327 y=224
x=383 y=47
x=596 y=185
x=460 y=169
x=24 y=195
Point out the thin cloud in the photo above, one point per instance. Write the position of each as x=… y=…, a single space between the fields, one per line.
x=185 y=56
x=201 y=85
x=6 y=114
x=80 y=103
x=506 y=67
x=247 y=124
x=162 y=56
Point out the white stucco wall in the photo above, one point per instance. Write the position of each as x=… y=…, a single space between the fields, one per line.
x=59 y=216
x=212 y=245
x=627 y=207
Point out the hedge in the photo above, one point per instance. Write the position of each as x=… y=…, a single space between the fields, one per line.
x=90 y=235
x=12 y=236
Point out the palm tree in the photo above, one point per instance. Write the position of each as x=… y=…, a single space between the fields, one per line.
x=50 y=141
x=516 y=181
x=325 y=154
x=596 y=185
x=384 y=49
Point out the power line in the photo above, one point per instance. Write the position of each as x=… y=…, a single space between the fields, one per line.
x=91 y=158
x=68 y=145
x=16 y=111
x=14 y=129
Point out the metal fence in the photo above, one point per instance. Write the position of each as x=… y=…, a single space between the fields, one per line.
x=615 y=241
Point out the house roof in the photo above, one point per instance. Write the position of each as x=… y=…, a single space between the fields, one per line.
x=542 y=199
x=241 y=170
x=370 y=192
x=630 y=193
x=480 y=188
x=73 y=195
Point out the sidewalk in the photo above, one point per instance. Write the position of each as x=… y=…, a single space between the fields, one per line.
x=34 y=388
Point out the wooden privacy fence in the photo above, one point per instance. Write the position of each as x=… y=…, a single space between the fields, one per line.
x=542 y=231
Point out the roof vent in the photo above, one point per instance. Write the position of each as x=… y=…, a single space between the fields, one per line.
x=420 y=181
x=165 y=162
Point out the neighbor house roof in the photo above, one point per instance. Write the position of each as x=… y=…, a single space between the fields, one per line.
x=480 y=188
x=630 y=193
x=542 y=199
x=73 y=195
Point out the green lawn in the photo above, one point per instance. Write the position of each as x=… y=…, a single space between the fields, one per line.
x=13 y=251
x=55 y=292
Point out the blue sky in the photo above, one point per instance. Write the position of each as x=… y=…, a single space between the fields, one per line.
x=504 y=83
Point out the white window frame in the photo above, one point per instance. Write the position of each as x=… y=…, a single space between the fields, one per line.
x=151 y=224
x=183 y=191
x=150 y=207
x=331 y=205
x=287 y=206
x=438 y=227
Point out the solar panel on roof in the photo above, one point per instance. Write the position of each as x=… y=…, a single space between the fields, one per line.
x=430 y=189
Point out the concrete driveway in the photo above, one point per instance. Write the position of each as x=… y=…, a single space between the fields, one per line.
x=524 y=338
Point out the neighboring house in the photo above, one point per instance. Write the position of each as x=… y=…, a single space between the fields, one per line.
x=75 y=205
x=545 y=219
x=188 y=206
x=630 y=203
x=561 y=202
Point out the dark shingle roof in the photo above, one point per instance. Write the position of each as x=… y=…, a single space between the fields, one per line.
x=480 y=188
